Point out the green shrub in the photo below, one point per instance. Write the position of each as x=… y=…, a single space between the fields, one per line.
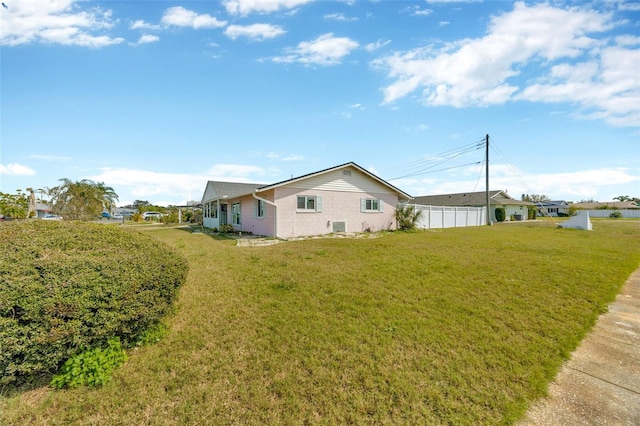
x=615 y=215
x=68 y=285
x=225 y=229
x=501 y=215
x=407 y=217
x=93 y=367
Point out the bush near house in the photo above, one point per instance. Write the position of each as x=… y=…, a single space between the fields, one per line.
x=66 y=287
x=501 y=215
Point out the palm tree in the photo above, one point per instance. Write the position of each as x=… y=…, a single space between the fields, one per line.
x=81 y=200
x=407 y=217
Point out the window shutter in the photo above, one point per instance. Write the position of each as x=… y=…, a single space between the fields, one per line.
x=319 y=204
x=363 y=205
x=257 y=209
x=381 y=205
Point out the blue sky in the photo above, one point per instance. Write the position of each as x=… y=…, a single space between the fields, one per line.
x=154 y=98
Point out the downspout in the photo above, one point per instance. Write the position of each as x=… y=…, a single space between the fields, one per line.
x=275 y=213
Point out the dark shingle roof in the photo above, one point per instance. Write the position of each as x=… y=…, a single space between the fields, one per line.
x=468 y=199
x=230 y=189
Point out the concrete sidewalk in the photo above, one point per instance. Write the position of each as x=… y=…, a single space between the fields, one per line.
x=600 y=384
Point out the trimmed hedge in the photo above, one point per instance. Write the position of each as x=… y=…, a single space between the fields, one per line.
x=69 y=286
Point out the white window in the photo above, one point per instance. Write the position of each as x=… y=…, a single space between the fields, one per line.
x=235 y=214
x=369 y=205
x=309 y=203
x=260 y=209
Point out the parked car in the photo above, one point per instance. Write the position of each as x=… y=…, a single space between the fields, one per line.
x=117 y=216
x=50 y=216
x=106 y=215
x=151 y=215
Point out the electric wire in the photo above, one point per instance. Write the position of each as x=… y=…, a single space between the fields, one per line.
x=482 y=166
x=439 y=170
x=520 y=179
x=432 y=158
x=425 y=166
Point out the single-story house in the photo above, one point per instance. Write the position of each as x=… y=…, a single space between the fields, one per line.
x=607 y=205
x=514 y=209
x=42 y=209
x=552 y=208
x=344 y=198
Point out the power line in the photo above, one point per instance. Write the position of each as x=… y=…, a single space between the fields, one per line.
x=434 y=171
x=520 y=179
x=424 y=166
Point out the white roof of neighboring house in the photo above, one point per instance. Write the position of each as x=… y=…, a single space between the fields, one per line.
x=549 y=203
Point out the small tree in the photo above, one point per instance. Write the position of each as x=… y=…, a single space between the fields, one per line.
x=407 y=217
x=501 y=214
x=573 y=210
x=82 y=200
x=14 y=205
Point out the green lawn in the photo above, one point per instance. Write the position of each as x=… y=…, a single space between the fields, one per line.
x=458 y=326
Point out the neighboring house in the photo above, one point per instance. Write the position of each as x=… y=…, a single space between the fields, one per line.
x=552 y=208
x=344 y=198
x=42 y=209
x=516 y=209
x=607 y=205
x=627 y=209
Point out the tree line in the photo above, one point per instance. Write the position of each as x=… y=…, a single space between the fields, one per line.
x=79 y=200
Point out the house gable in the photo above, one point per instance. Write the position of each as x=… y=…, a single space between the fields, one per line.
x=227 y=190
x=348 y=177
x=343 y=180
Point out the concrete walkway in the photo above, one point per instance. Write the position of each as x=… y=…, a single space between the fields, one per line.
x=600 y=384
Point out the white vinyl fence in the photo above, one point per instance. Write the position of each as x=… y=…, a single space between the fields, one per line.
x=626 y=213
x=450 y=217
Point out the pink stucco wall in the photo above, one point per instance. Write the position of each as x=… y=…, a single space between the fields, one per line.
x=336 y=207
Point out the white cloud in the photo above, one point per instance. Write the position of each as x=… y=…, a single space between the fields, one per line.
x=339 y=17
x=287 y=157
x=245 y=7
x=235 y=172
x=423 y=12
x=480 y=72
x=628 y=40
x=142 y=25
x=146 y=184
x=377 y=45
x=632 y=5
x=53 y=158
x=148 y=38
x=254 y=31
x=325 y=50
x=415 y=10
x=15 y=169
x=181 y=17
x=56 y=21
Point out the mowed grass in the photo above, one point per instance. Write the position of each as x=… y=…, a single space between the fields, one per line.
x=459 y=326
